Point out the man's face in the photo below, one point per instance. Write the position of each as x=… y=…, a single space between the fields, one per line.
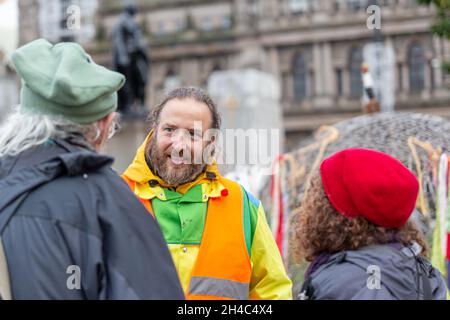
x=175 y=151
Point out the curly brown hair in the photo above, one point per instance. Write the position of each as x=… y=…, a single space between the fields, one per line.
x=321 y=229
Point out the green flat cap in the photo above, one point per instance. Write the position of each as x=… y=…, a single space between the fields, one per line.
x=63 y=80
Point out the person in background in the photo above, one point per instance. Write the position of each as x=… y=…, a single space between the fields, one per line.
x=354 y=230
x=69 y=226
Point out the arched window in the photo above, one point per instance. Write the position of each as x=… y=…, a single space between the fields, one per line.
x=416 y=66
x=300 y=77
x=356 y=85
x=357 y=5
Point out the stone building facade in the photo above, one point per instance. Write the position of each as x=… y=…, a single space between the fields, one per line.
x=313 y=47
x=57 y=20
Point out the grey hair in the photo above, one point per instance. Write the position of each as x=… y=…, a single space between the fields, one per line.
x=22 y=130
x=194 y=93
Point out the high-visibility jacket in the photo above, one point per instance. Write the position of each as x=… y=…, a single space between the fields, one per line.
x=211 y=244
x=223 y=268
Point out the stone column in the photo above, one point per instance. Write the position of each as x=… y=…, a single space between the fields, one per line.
x=28 y=20
x=346 y=81
x=327 y=68
x=317 y=65
x=190 y=72
x=273 y=65
x=439 y=59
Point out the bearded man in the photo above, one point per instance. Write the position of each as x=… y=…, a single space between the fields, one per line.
x=216 y=231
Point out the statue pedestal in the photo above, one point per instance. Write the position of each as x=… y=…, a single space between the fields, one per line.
x=124 y=144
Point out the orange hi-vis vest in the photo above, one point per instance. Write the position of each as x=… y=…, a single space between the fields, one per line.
x=223 y=268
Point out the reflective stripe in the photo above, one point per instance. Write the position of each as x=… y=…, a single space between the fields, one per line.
x=219 y=288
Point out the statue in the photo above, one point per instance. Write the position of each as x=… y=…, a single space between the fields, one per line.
x=130 y=59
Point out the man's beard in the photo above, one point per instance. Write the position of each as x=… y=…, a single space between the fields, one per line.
x=173 y=175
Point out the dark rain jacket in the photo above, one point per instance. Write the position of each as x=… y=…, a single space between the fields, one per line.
x=379 y=272
x=71 y=229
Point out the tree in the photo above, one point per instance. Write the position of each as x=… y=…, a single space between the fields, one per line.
x=441 y=27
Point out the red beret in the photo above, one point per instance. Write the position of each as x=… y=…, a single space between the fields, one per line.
x=371 y=184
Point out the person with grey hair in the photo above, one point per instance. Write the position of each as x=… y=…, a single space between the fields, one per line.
x=216 y=231
x=69 y=226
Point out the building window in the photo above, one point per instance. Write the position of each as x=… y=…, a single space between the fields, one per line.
x=311 y=85
x=179 y=25
x=226 y=22
x=339 y=82
x=252 y=8
x=300 y=78
x=356 y=5
x=416 y=66
x=55 y=20
x=299 y=6
x=161 y=28
x=356 y=85
x=432 y=75
x=63 y=22
x=66 y=34
x=337 y=5
x=206 y=24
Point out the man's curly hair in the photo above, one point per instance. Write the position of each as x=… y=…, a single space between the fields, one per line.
x=321 y=229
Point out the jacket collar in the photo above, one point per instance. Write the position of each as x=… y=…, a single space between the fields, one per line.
x=76 y=158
